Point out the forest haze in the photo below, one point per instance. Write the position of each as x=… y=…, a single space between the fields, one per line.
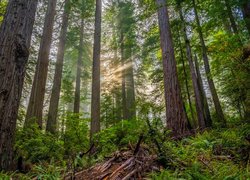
x=124 y=89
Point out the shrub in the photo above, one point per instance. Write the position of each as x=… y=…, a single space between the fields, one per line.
x=35 y=146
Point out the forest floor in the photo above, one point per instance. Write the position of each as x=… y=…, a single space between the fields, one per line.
x=214 y=154
x=218 y=154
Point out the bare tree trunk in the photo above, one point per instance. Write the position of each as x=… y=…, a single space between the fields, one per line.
x=55 y=95
x=203 y=94
x=215 y=97
x=208 y=118
x=15 y=37
x=130 y=88
x=198 y=100
x=95 y=104
x=176 y=116
x=35 y=107
x=79 y=69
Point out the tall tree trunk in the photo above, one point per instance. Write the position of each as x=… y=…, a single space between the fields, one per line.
x=130 y=94
x=35 y=107
x=246 y=13
x=15 y=37
x=124 y=71
x=117 y=88
x=198 y=100
x=208 y=118
x=186 y=83
x=55 y=95
x=231 y=17
x=79 y=69
x=176 y=116
x=95 y=103
x=215 y=97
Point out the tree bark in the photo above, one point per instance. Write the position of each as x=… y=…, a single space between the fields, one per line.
x=215 y=97
x=15 y=37
x=198 y=99
x=95 y=97
x=117 y=89
x=79 y=69
x=35 y=107
x=130 y=88
x=208 y=118
x=186 y=84
x=55 y=95
x=124 y=71
x=176 y=116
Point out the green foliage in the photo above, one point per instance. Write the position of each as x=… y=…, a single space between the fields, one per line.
x=120 y=135
x=215 y=154
x=34 y=145
x=14 y=175
x=5 y=176
x=3 y=5
x=163 y=175
x=76 y=135
x=47 y=172
x=230 y=66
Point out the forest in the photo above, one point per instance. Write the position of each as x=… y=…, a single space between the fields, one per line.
x=124 y=89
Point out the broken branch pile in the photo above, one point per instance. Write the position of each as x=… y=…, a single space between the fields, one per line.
x=123 y=166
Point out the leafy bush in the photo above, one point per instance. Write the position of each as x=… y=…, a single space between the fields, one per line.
x=120 y=135
x=35 y=146
x=76 y=137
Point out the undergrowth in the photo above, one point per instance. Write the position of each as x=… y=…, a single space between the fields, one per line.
x=213 y=154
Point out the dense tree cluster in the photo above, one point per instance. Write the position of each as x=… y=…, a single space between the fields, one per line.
x=75 y=71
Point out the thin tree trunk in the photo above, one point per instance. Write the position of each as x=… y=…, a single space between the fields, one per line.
x=95 y=104
x=176 y=116
x=231 y=17
x=15 y=37
x=35 y=107
x=79 y=69
x=124 y=71
x=215 y=97
x=118 y=105
x=63 y=120
x=55 y=95
x=208 y=118
x=186 y=83
x=117 y=89
x=198 y=100
x=130 y=88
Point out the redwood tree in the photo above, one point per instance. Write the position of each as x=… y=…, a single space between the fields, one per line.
x=176 y=116
x=35 y=107
x=198 y=97
x=15 y=37
x=78 y=73
x=212 y=88
x=95 y=97
x=55 y=95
